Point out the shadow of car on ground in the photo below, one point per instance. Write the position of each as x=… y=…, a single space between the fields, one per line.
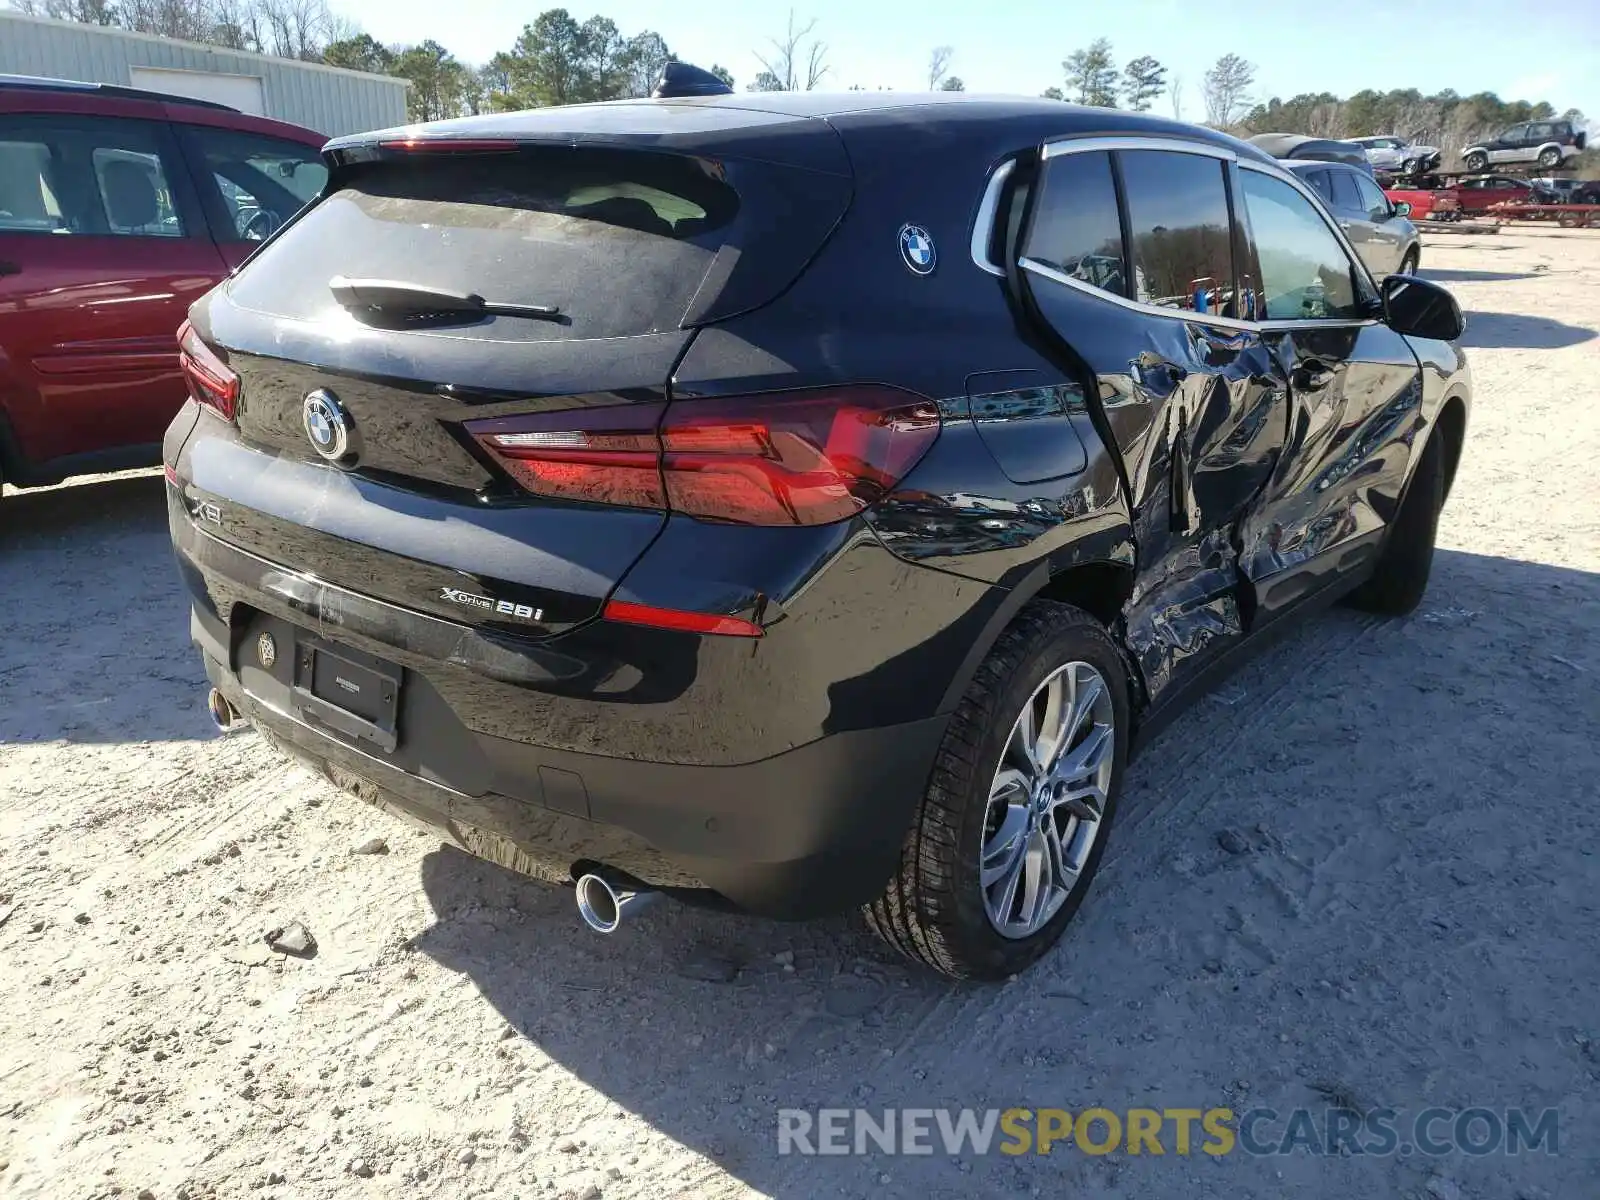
x=1509 y=331
x=1334 y=941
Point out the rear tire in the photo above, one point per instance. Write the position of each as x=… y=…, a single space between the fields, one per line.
x=1477 y=161
x=937 y=908
x=1550 y=158
x=1401 y=576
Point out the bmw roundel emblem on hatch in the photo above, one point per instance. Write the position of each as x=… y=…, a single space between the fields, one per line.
x=916 y=247
x=329 y=427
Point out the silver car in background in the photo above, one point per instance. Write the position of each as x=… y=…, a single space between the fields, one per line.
x=1380 y=230
x=1396 y=156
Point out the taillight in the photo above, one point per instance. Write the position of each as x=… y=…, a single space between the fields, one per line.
x=783 y=458
x=604 y=455
x=211 y=381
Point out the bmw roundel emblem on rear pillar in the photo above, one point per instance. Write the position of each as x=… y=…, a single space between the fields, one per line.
x=328 y=425
x=916 y=247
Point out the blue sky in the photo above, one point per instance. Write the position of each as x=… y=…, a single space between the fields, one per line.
x=1549 y=49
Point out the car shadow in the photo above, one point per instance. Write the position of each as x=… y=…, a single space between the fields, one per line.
x=1449 y=275
x=705 y=1024
x=1505 y=331
x=96 y=645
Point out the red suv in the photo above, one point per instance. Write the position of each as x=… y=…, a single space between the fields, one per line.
x=119 y=208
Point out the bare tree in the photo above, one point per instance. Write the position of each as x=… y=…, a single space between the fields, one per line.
x=798 y=62
x=294 y=28
x=1175 y=90
x=87 y=12
x=939 y=65
x=1227 y=90
x=186 y=19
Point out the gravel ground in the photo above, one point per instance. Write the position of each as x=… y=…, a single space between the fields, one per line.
x=1363 y=869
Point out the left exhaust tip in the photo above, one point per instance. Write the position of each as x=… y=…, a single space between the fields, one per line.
x=603 y=904
x=224 y=715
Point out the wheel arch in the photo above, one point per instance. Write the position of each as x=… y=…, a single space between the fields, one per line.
x=1452 y=426
x=1098 y=586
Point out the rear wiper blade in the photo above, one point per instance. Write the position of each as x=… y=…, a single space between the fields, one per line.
x=398 y=298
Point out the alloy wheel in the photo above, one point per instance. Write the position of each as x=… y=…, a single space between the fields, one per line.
x=1047 y=800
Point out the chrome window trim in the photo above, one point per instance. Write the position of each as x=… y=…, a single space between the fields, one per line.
x=1086 y=145
x=1046 y=271
x=983 y=223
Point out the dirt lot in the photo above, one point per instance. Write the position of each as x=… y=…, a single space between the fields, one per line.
x=1365 y=869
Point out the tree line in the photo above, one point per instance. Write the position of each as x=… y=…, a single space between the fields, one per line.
x=1446 y=119
x=557 y=59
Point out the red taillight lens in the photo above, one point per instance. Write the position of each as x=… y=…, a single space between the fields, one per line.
x=211 y=381
x=604 y=455
x=673 y=618
x=797 y=458
x=786 y=458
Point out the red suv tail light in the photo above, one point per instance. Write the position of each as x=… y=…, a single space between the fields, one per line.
x=783 y=458
x=211 y=381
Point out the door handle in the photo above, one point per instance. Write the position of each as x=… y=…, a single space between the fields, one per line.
x=1311 y=376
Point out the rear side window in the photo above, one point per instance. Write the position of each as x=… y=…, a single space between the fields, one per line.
x=68 y=174
x=1178 y=221
x=1319 y=183
x=1076 y=228
x=1305 y=273
x=619 y=241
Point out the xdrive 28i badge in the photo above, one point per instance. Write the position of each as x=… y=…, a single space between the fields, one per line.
x=916 y=247
x=328 y=425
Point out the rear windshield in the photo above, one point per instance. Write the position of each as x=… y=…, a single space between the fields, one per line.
x=619 y=241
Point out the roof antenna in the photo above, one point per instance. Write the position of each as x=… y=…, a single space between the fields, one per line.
x=686 y=79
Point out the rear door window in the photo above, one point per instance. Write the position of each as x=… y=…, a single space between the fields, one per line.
x=88 y=175
x=620 y=241
x=1076 y=228
x=1179 y=225
x=27 y=196
x=1318 y=181
x=1346 y=194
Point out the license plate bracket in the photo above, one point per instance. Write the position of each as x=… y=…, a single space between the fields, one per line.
x=347 y=691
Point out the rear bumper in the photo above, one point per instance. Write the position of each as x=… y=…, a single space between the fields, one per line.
x=815 y=831
x=811 y=830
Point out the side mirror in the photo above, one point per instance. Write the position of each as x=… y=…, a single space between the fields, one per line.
x=1402 y=208
x=1418 y=308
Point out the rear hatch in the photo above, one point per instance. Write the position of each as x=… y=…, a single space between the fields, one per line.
x=510 y=277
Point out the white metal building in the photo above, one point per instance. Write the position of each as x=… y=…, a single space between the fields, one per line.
x=327 y=99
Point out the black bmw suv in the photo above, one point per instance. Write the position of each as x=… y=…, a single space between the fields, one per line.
x=792 y=502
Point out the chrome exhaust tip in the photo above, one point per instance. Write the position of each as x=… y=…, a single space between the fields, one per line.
x=602 y=904
x=224 y=715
